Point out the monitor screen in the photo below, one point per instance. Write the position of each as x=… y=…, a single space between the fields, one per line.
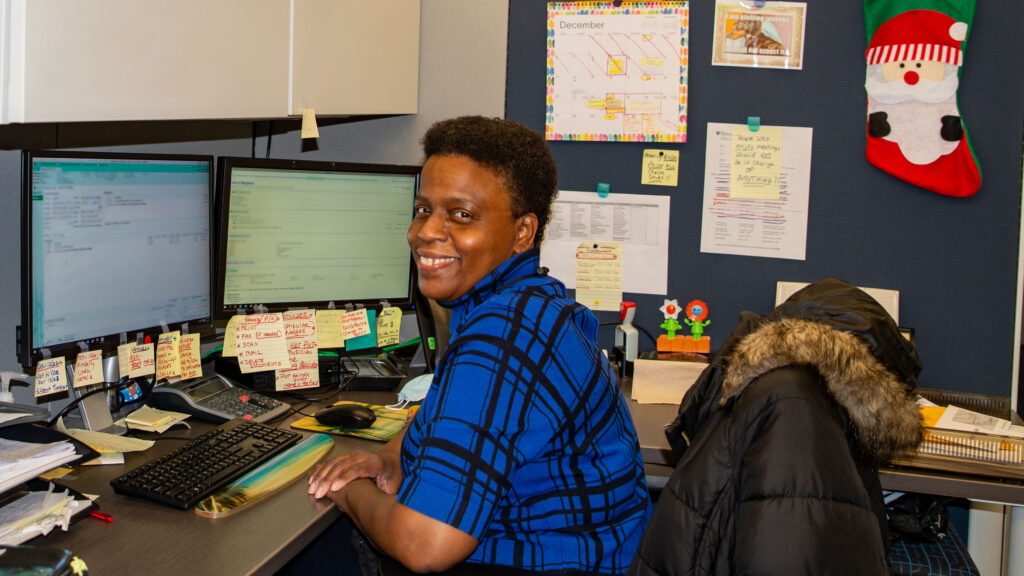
x=113 y=244
x=306 y=234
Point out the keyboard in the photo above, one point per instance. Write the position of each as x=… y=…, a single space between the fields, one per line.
x=184 y=477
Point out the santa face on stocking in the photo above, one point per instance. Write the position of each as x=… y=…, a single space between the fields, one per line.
x=914 y=127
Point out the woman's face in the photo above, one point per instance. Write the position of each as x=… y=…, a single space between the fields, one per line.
x=463 y=226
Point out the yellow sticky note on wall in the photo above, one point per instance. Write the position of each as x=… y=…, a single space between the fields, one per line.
x=660 y=168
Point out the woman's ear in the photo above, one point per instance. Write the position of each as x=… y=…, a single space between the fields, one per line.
x=526 y=231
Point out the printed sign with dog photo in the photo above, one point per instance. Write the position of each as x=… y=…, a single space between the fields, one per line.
x=762 y=35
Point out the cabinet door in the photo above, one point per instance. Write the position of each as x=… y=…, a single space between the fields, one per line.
x=355 y=56
x=147 y=59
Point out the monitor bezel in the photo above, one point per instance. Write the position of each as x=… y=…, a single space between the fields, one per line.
x=225 y=166
x=27 y=354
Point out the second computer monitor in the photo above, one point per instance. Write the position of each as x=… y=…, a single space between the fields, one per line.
x=305 y=234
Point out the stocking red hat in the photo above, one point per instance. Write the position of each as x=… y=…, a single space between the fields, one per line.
x=918 y=35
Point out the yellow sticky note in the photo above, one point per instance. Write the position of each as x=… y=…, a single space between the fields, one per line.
x=191 y=362
x=51 y=376
x=89 y=368
x=300 y=336
x=599 y=275
x=168 y=355
x=309 y=124
x=229 y=347
x=388 y=326
x=660 y=168
x=756 y=163
x=143 y=360
x=328 y=328
x=124 y=360
x=261 y=343
x=356 y=324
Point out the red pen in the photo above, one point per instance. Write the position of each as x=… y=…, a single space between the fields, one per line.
x=105 y=517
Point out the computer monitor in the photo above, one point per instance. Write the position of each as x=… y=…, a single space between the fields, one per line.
x=308 y=234
x=114 y=246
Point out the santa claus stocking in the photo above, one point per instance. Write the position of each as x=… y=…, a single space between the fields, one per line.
x=914 y=58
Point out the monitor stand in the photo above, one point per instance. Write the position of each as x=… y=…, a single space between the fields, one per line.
x=94 y=409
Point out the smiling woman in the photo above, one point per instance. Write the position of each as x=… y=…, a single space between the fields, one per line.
x=523 y=454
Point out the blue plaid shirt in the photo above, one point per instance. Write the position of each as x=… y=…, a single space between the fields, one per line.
x=524 y=440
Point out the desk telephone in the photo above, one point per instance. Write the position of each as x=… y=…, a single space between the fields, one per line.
x=215 y=399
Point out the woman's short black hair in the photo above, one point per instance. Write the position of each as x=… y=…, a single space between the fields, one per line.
x=514 y=152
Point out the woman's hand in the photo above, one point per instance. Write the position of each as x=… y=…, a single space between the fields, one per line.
x=336 y=473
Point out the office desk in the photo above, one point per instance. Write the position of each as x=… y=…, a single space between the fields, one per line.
x=148 y=538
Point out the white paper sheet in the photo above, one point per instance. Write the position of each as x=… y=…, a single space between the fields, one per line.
x=735 y=223
x=639 y=221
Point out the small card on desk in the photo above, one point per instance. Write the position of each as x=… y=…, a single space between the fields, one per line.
x=663 y=381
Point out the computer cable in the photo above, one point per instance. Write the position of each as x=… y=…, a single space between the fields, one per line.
x=74 y=403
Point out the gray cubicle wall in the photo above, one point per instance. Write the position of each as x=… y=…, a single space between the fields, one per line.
x=954 y=261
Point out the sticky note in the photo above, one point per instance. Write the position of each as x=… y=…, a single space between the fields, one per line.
x=168 y=355
x=191 y=362
x=229 y=347
x=357 y=323
x=51 y=376
x=365 y=337
x=388 y=326
x=261 y=343
x=89 y=368
x=300 y=331
x=660 y=168
x=309 y=124
x=124 y=360
x=328 y=328
x=143 y=360
x=756 y=163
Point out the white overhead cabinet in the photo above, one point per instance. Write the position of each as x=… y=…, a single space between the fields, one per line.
x=99 y=60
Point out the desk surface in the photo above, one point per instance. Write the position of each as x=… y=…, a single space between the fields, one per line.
x=651 y=419
x=148 y=538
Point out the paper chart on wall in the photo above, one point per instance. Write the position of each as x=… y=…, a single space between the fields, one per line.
x=639 y=221
x=756 y=191
x=617 y=71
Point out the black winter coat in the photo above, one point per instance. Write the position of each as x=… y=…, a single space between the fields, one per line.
x=779 y=440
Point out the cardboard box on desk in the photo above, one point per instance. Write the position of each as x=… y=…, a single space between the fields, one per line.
x=663 y=381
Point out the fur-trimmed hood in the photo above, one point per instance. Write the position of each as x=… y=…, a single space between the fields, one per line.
x=884 y=415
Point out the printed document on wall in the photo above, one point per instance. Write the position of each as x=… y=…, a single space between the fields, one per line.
x=756 y=191
x=638 y=221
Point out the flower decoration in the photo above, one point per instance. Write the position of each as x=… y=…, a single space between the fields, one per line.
x=696 y=310
x=670 y=309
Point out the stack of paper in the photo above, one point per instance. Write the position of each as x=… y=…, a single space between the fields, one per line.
x=20 y=461
x=37 y=513
x=153 y=420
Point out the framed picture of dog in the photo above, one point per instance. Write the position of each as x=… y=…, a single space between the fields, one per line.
x=759 y=34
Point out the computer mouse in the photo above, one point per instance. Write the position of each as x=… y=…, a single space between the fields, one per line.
x=346 y=416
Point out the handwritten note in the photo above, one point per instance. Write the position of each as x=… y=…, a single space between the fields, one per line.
x=51 y=376
x=300 y=335
x=261 y=343
x=143 y=360
x=168 y=355
x=356 y=324
x=660 y=168
x=89 y=368
x=756 y=162
x=599 y=275
x=229 y=347
x=124 y=359
x=191 y=362
x=389 y=324
x=328 y=328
